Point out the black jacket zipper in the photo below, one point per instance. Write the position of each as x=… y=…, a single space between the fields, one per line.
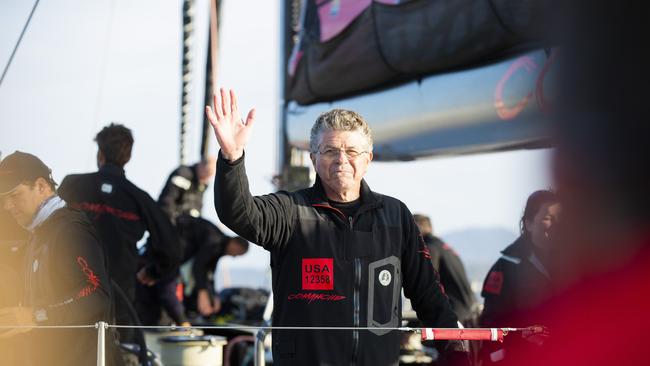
x=357 y=288
x=357 y=305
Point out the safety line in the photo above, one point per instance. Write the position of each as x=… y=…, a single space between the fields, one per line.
x=242 y=327
x=47 y=326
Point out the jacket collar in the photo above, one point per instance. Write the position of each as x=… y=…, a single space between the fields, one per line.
x=111 y=169
x=521 y=248
x=369 y=199
x=47 y=208
x=431 y=239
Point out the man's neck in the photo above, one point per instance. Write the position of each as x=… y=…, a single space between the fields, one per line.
x=345 y=196
x=36 y=220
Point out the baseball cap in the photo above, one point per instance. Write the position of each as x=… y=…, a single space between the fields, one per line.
x=21 y=167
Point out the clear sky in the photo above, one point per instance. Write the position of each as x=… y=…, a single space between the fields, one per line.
x=83 y=64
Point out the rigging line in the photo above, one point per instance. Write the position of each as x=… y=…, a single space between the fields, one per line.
x=103 y=67
x=13 y=53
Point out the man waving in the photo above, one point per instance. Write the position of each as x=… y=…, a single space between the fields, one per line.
x=340 y=253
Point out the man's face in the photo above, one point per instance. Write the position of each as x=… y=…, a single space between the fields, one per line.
x=342 y=160
x=23 y=202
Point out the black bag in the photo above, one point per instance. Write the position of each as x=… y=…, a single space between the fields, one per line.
x=243 y=303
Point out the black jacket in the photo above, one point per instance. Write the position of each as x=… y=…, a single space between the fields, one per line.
x=330 y=270
x=182 y=194
x=205 y=243
x=517 y=282
x=453 y=278
x=122 y=213
x=67 y=283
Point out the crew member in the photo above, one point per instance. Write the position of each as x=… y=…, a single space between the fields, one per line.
x=521 y=278
x=453 y=278
x=122 y=213
x=340 y=253
x=66 y=282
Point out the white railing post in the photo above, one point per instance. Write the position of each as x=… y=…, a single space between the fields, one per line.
x=101 y=343
x=259 y=358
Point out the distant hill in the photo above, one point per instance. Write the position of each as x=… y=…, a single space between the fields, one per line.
x=479 y=248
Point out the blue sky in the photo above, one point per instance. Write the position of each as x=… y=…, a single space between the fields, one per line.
x=83 y=64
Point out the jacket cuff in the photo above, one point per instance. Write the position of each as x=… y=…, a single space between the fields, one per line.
x=232 y=163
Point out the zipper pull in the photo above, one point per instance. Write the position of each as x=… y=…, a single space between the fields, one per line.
x=350 y=220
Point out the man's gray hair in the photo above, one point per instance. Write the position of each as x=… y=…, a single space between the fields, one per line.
x=339 y=120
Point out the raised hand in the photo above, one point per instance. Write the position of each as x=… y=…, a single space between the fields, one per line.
x=231 y=131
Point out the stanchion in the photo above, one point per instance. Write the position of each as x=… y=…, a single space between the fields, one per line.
x=101 y=343
x=259 y=356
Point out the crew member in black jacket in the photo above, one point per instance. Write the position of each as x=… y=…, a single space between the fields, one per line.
x=200 y=241
x=122 y=213
x=184 y=189
x=452 y=273
x=204 y=248
x=340 y=253
x=66 y=282
x=521 y=279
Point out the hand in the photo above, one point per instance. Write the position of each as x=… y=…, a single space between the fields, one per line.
x=230 y=130
x=204 y=303
x=536 y=335
x=144 y=278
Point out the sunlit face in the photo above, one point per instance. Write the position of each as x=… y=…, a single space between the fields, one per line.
x=23 y=202
x=542 y=224
x=342 y=160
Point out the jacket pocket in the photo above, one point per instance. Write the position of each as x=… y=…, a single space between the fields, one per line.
x=384 y=289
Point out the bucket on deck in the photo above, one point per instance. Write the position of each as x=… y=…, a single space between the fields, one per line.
x=192 y=350
x=153 y=337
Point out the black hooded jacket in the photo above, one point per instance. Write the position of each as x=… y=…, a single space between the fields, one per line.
x=122 y=213
x=182 y=193
x=335 y=271
x=453 y=277
x=66 y=283
x=516 y=283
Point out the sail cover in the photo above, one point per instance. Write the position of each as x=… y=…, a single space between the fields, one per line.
x=351 y=47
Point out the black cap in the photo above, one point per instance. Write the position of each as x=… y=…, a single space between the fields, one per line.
x=21 y=167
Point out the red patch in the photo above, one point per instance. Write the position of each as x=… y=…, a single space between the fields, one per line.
x=179 y=291
x=317 y=273
x=494 y=283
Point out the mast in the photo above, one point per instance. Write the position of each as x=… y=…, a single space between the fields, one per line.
x=188 y=40
x=210 y=72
